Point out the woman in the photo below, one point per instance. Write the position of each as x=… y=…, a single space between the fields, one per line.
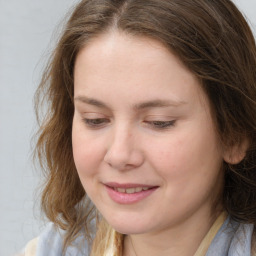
x=148 y=145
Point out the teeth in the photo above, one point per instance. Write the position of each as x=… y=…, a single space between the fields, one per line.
x=121 y=190
x=131 y=190
x=138 y=189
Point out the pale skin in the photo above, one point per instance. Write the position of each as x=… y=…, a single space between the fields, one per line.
x=141 y=117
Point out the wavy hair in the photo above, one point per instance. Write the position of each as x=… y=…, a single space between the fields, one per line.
x=210 y=37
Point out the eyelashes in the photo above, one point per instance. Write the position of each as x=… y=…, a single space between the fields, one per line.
x=160 y=124
x=97 y=123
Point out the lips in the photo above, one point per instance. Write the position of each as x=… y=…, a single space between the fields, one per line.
x=129 y=193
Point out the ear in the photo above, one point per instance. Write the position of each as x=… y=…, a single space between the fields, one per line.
x=236 y=153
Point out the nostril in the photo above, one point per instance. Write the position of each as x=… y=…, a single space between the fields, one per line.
x=123 y=153
x=124 y=162
x=118 y=158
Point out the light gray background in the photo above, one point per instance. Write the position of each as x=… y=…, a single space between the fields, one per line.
x=26 y=37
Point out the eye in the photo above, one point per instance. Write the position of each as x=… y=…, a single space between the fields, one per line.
x=160 y=124
x=95 y=122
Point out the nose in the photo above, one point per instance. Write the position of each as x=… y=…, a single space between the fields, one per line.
x=123 y=152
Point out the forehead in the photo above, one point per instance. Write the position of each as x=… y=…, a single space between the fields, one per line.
x=119 y=48
x=139 y=66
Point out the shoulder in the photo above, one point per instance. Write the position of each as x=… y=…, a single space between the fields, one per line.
x=254 y=242
x=50 y=243
x=233 y=238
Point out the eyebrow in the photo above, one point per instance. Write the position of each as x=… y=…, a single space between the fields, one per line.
x=91 y=101
x=140 y=106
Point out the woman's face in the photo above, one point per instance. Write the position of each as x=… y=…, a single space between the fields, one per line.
x=144 y=141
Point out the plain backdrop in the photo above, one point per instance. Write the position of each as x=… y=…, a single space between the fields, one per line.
x=27 y=34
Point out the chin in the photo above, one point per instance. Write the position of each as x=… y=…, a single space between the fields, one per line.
x=131 y=221
x=129 y=227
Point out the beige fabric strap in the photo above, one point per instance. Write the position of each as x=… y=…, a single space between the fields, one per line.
x=203 y=247
x=30 y=249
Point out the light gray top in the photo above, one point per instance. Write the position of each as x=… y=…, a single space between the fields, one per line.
x=232 y=239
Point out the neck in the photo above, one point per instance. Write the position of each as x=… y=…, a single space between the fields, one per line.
x=181 y=240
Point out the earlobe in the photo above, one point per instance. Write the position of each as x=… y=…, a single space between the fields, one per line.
x=236 y=153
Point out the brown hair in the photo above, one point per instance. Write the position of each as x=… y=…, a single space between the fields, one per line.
x=212 y=39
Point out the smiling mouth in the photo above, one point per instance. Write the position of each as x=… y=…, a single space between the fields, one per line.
x=129 y=193
x=131 y=190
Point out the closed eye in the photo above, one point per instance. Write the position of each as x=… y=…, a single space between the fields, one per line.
x=160 y=124
x=95 y=122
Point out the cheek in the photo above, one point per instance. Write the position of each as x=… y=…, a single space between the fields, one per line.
x=190 y=170
x=87 y=158
x=86 y=152
x=187 y=156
